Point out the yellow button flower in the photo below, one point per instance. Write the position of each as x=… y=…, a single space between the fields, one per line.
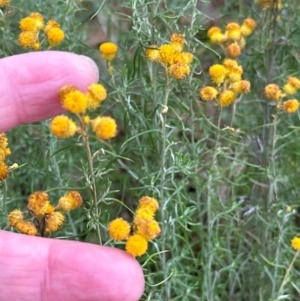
x=136 y=245
x=105 y=127
x=63 y=127
x=119 y=229
x=108 y=51
x=55 y=36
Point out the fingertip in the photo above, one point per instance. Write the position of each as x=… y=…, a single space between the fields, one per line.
x=29 y=84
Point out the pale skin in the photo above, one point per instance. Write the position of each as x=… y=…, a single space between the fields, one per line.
x=43 y=269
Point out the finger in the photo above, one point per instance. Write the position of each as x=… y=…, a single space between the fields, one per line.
x=36 y=269
x=29 y=84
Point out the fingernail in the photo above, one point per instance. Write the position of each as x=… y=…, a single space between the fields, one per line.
x=89 y=67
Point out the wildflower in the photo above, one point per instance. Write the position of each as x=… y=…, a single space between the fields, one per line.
x=187 y=57
x=108 y=51
x=4 y=170
x=152 y=53
x=63 y=127
x=15 y=216
x=248 y=26
x=208 y=93
x=179 y=70
x=233 y=31
x=50 y=25
x=148 y=229
x=136 y=245
x=166 y=53
x=233 y=50
x=215 y=35
x=289 y=89
x=294 y=81
x=27 y=39
x=105 y=127
x=28 y=24
x=148 y=202
x=95 y=95
x=217 y=73
x=38 y=203
x=272 y=92
x=295 y=242
x=55 y=36
x=242 y=86
x=226 y=98
x=70 y=201
x=54 y=221
x=119 y=229
x=234 y=73
x=230 y=64
x=27 y=227
x=73 y=100
x=4 y=3
x=38 y=18
x=143 y=214
x=291 y=106
x=177 y=41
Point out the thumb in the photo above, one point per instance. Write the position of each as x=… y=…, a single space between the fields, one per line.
x=36 y=269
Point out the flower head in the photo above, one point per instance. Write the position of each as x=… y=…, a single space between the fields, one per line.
x=208 y=93
x=108 y=51
x=95 y=95
x=4 y=170
x=291 y=106
x=166 y=53
x=233 y=31
x=15 y=216
x=148 y=202
x=104 y=127
x=248 y=26
x=28 y=24
x=73 y=100
x=70 y=201
x=177 y=41
x=152 y=53
x=215 y=35
x=136 y=245
x=272 y=92
x=27 y=39
x=38 y=18
x=54 y=221
x=148 y=229
x=179 y=70
x=242 y=86
x=4 y=3
x=39 y=204
x=295 y=243
x=50 y=25
x=233 y=50
x=119 y=229
x=27 y=227
x=217 y=73
x=63 y=127
x=226 y=98
x=55 y=36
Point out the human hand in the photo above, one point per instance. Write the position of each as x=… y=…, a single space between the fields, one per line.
x=41 y=269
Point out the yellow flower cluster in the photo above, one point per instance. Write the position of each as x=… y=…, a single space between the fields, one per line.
x=144 y=227
x=171 y=56
x=232 y=39
x=78 y=103
x=45 y=217
x=274 y=93
x=270 y=4
x=32 y=25
x=228 y=83
x=4 y=152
